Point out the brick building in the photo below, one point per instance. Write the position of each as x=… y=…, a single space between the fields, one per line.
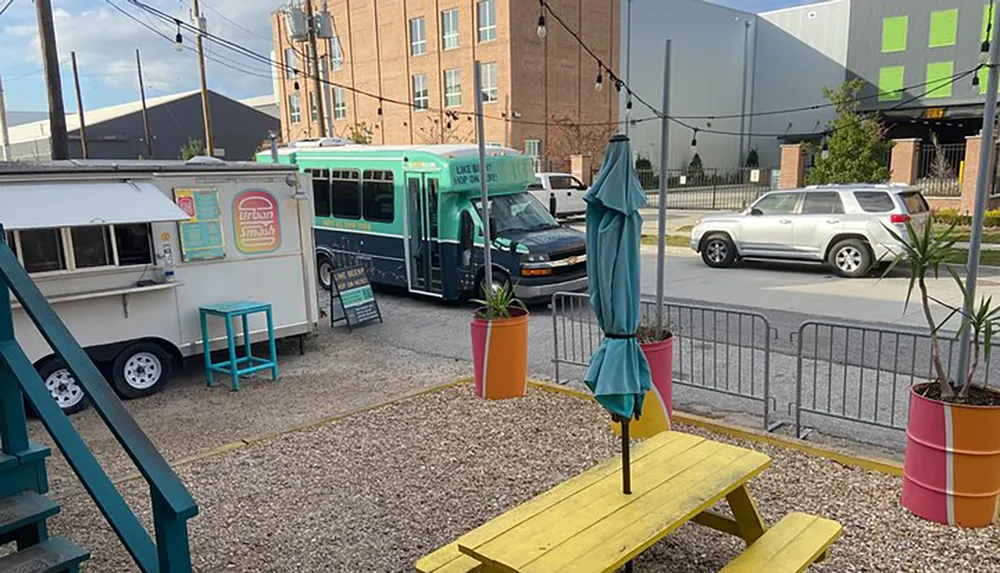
x=539 y=92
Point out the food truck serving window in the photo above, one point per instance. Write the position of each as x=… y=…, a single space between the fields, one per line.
x=77 y=248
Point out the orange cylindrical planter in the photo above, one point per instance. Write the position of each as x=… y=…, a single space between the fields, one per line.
x=952 y=469
x=500 y=355
x=658 y=406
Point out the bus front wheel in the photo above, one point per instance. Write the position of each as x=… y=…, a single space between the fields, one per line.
x=324 y=272
x=499 y=278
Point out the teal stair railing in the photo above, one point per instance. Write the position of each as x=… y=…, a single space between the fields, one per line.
x=172 y=504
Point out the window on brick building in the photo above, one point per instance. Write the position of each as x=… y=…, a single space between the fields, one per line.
x=486 y=14
x=418 y=38
x=449 y=29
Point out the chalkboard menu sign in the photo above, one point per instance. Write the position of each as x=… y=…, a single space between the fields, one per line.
x=353 y=299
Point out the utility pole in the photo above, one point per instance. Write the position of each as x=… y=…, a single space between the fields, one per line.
x=145 y=116
x=5 y=153
x=205 y=112
x=79 y=108
x=50 y=60
x=313 y=55
x=983 y=180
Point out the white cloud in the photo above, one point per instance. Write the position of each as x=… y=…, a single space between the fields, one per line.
x=105 y=41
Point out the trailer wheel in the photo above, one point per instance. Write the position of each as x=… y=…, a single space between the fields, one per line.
x=141 y=370
x=63 y=386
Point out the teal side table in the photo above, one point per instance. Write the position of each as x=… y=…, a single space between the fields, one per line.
x=248 y=362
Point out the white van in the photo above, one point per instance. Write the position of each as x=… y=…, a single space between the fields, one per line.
x=567 y=190
x=127 y=251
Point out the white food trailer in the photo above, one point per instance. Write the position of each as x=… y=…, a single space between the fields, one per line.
x=127 y=251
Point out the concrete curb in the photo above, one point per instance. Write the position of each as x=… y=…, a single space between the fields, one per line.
x=887 y=467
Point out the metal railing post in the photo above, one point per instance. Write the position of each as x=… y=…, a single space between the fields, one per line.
x=13 y=424
x=555 y=334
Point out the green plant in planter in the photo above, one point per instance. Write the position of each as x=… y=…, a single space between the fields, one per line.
x=926 y=252
x=498 y=302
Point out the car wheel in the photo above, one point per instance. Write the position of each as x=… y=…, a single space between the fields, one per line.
x=851 y=258
x=64 y=387
x=718 y=251
x=324 y=272
x=141 y=370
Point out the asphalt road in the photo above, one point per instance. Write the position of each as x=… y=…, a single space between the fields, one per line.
x=723 y=339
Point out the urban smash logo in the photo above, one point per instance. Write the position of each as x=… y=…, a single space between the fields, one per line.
x=469 y=174
x=256 y=224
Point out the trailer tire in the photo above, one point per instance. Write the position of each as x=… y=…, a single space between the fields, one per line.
x=63 y=386
x=142 y=369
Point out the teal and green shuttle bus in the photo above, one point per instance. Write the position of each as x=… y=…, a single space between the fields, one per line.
x=411 y=216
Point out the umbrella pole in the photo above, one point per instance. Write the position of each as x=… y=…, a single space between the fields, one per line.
x=626 y=469
x=626 y=462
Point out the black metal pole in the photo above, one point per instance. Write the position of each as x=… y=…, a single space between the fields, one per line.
x=626 y=462
x=626 y=470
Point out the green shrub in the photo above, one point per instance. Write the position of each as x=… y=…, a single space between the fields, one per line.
x=946 y=217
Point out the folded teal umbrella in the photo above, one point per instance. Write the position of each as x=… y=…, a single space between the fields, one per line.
x=618 y=374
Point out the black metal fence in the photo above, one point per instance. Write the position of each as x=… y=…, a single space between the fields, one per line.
x=939 y=168
x=710 y=188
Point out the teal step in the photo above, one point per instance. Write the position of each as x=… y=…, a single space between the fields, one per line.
x=24 y=509
x=53 y=556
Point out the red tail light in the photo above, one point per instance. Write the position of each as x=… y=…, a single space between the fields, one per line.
x=899 y=219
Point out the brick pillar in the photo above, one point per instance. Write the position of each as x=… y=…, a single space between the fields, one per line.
x=905 y=161
x=793 y=166
x=580 y=167
x=970 y=173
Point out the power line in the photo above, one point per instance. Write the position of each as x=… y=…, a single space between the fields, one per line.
x=246 y=52
x=5 y=6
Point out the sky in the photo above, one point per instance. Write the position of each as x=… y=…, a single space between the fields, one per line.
x=105 y=41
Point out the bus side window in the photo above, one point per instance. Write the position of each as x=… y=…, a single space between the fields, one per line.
x=345 y=193
x=321 y=191
x=465 y=240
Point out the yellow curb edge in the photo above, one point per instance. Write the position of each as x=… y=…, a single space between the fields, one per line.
x=888 y=467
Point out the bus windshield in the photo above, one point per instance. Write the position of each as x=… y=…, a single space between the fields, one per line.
x=518 y=212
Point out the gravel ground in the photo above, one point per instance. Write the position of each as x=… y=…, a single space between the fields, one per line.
x=339 y=373
x=377 y=490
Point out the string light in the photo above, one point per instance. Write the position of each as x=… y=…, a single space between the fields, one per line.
x=694 y=141
x=541 y=31
x=825 y=150
x=599 y=83
x=178 y=39
x=379 y=112
x=628 y=103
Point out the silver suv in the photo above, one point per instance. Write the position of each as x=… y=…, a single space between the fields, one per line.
x=843 y=225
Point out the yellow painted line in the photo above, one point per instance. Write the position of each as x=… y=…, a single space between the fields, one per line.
x=884 y=466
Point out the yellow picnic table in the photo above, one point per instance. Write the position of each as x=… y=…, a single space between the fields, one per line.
x=587 y=525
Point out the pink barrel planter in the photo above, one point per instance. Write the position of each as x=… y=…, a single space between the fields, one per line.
x=952 y=469
x=658 y=406
x=660 y=356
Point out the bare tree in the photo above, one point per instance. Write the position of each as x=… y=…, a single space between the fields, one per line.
x=940 y=168
x=455 y=129
x=568 y=137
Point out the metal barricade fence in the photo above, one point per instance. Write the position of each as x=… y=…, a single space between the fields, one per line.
x=714 y=350
x=863 y=375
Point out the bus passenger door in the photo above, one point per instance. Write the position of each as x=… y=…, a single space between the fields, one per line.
x=424 y=259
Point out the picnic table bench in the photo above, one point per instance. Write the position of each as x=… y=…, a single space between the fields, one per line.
x=587 y=525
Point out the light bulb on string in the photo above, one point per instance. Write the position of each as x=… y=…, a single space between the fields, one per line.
x=178 y=39
x=694 y=142
x=599 y=82
x=984 y=52
x=975 y=80
x=295 y=85
x=628 y=103
x=379 y=112
x=825 y=149
x=541 y=31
